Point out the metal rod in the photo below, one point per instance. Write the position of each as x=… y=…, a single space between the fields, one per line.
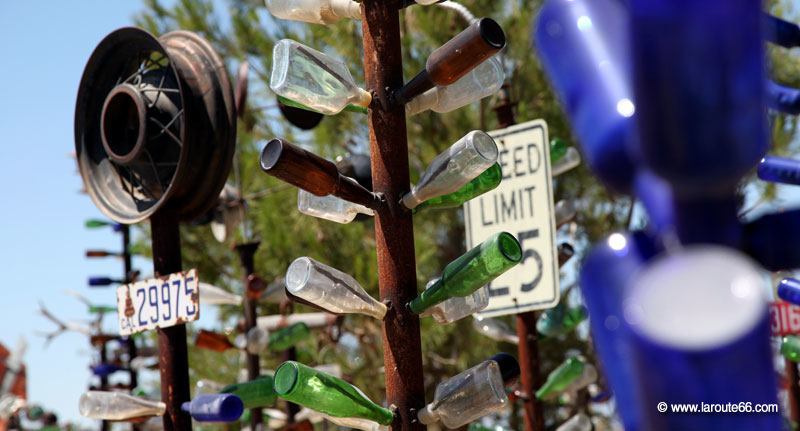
x=130 y=343
x=394 y=232
x=246 y=253
x=173 y=358
x=104 y=425
x=528 y=350
x=793 y=391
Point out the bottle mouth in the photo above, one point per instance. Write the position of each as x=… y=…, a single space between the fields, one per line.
x=509 y=246
x=492 y=33
x=271 y=154
x=298 y=274
x=484 y=145
x=286 y=377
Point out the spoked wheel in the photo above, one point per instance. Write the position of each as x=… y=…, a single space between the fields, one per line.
x=154 y=125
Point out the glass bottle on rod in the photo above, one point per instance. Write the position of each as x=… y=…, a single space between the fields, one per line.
x=330 y=289
x=330 y=207
x=495 y=329
x=570 y=160
x=255 y=393
x=560 y=320
x=314 y=11
x=488 y=180
x=454 y=168
x=472 y=394
x=322 y=392
x=118 y=406
x=483 y=81
x=214 y=408
x=562 y=378
x=313 y=79
x=287 y=337
x=471 y=271
x=459 y=307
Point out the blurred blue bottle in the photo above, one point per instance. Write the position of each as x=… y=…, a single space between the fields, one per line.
x=605 y=272
x=781 y=32
x=789 y=290
x=782 y=98
x=779 y=170
x=583 y=47
x=700 y=333
x=101 y=281
x=772 y=240
x=214 y=408
x=105 y=370
x=698 y=69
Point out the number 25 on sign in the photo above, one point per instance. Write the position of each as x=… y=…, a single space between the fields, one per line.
x=784 y=318
x=158 y=302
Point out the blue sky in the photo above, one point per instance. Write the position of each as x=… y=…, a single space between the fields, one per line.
x=45 y=47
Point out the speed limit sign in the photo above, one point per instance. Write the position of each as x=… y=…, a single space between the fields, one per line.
x=522 y=205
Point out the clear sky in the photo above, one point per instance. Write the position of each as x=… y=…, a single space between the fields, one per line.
x=45 y=46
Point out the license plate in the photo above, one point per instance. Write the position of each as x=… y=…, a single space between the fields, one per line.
x=784 y=318
x=158 y=302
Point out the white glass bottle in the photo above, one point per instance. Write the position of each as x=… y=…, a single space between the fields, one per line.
x=570 y=160
x=254 y=342
x=565 y=212
x=314 y=11
x=462 y=162
x=472 y=394
x=329 y=207
x=579 y=422
x=213 y=295
x=311 y=78
x=312 y=320
x=483 y=81
x=356 y=423
x=330 y=289
x=117 y=406
x=495 y=329
x=459 y=307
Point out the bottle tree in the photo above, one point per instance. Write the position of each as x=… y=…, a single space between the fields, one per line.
x=245 y=31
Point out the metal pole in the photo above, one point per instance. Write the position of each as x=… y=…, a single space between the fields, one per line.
x=173 y=359
x=246 y=253
x=394 y=233
x=528 y=350
x=793 y=391
x=104 y=425
x=127 y=265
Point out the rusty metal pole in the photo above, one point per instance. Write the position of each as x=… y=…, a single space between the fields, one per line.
x=793 y=391
x=104 y=425
x=173 y=358
x=528 y=350
x=246 y=253
x=127 y=264
x=394 y=232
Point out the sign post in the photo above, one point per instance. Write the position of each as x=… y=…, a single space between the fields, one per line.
x=522 y=204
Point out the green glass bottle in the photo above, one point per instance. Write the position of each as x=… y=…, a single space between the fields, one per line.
x=324 y=393
x=560 y=320
x=790 y=348
x=471 y=271
x=287 y=337
x=255 y=393
x=96 y=223
x=561 y=377
x=558 y=148
x=486 y=181
x=97 y=309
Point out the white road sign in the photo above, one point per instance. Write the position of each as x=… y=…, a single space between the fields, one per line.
x=158 y=302
x=523 y=206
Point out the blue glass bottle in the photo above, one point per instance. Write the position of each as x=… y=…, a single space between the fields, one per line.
x=770 y=239
x=781 y=32
x=789 y=290
x=698 y=72
x=581 y=44
x=779 y=170
x=782 y=98
x=603 y=278
x=214 y=408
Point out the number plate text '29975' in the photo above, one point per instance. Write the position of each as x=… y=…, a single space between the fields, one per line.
x=158 y=302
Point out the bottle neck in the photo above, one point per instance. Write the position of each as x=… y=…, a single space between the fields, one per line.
x=346 y=9
x=428 y=415
x=423 y=102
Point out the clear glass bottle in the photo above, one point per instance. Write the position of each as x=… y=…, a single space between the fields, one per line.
x=565 y=212
x=356 y=423
x=472 y=394
x=314 y=11
x=206 y=386
x=473 y=270
x=322 y=392
x=579 y=422
x=495 y=329
x=254 y=342
x=213 y=295
x=330 y=289
x=459 y=307
x=483 y=81
x=255 y=393
x=309 y=77
x=329 y=207
x=570 y=160
x=214 y=408
x=287 y=337
x=486 y=181
x=452 y=169
x=312 y=320
x=117 y=406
